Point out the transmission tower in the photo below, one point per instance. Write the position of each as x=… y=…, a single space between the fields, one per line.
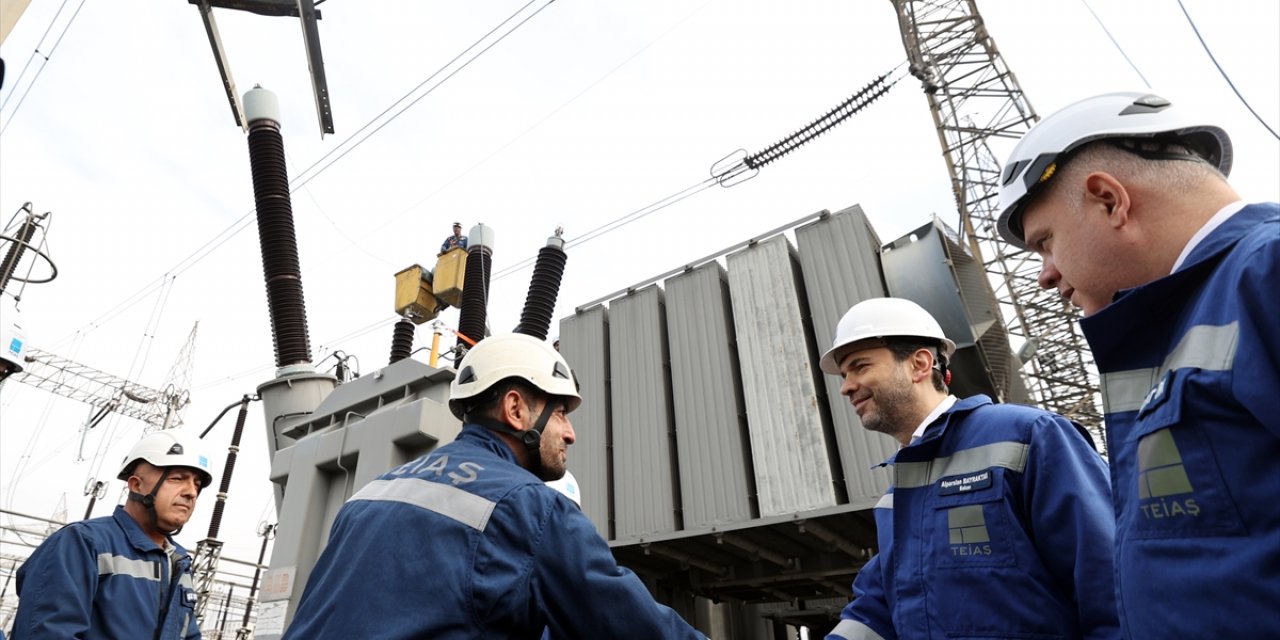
x=974 y=97
x=70 y=379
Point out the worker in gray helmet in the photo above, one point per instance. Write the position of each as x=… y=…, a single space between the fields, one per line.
x=468 y=541
x=998 y=524
x=122 y=575
x=1124 y=197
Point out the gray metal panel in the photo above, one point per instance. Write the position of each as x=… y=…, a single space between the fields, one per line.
x=792 y=450
x=644 y=494
x=644 y=469
x=584 y=342
x=840 y=259
x=716 y=481
x=920 y=266
x=984 y=314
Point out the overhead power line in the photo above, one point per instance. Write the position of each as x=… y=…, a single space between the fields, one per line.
x=43 y=56
x=1224 y=73
x=1115 y=42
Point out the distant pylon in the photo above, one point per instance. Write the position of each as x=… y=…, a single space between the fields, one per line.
x=177 y=383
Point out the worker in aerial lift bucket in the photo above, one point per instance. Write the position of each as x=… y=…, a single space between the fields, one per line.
x=467 y=541
x=998 y=524
x=122 y=575
x=1125 y=198
x=455 y=241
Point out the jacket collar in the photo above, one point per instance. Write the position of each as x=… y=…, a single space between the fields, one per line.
x=1230 y=232
x=137 y=537
x=489 y=440
x=938 y=427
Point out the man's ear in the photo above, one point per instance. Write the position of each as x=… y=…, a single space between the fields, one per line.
x=921 y=364
x=513 y=409
x=135 y=478
x=1103 y=191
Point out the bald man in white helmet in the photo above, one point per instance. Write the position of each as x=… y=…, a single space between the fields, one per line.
x=1124 y=196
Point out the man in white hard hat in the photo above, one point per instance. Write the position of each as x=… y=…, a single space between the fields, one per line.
x=455 y=241
x=468 y=541
x=999 y=521
x=1124 y=196
x=122 y=576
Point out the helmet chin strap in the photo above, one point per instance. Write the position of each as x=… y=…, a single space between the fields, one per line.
x=149 y=501
x=531 y=438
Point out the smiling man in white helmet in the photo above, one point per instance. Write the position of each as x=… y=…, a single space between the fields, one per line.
x=998 y=524
x=1124 y=196
x=122 y=576
x=468 y=541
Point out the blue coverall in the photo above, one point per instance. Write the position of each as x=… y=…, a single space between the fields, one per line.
x=465 y=543
x=105 y=579
x=1190 y=369
x=998 y=526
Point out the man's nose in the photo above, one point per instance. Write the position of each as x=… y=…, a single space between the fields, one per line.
x=569 y=436
x=1049 y=276
x=848 y=386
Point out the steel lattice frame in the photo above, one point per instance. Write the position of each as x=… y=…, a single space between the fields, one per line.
x=974 y=97
x=205 y=568
x=80 y=382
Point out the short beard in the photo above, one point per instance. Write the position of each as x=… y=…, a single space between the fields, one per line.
x=551 y=469
x=893 y=407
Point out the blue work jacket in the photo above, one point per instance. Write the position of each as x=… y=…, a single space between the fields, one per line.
x=465 y=543
x=105 y=579
x=998 y=526
x=1190 y=369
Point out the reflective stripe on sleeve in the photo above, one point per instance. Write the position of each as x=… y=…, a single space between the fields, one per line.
x=446 y=500
x=185 y=580
x=886 y=501
x=1206 y=347
x=1010 y=455
x=109 y=564
x=854 y=630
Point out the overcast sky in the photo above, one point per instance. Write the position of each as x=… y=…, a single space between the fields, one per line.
x=587 y=112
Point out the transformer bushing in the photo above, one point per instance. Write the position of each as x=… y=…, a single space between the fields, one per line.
x=540 y=304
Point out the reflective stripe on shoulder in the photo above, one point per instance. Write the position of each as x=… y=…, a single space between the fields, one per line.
x=886 y=501
x=1010 y=455
x=109 y=564
x=446 y=500
x=1206 y=347
x=854 y=630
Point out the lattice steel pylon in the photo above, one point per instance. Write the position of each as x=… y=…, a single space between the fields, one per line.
x=974 y=97
x=161 y=408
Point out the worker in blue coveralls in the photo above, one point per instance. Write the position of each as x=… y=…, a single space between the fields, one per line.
x=122 y=575
x=457 y=240
x=468 y=541
x=1124 y=197
x=998 y=523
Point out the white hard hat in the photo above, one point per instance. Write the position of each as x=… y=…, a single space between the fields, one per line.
x=169 y=448
x=568 y=485
x=883 y=318
x=1114 y=115
x=13 y=341
x=512 y=355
